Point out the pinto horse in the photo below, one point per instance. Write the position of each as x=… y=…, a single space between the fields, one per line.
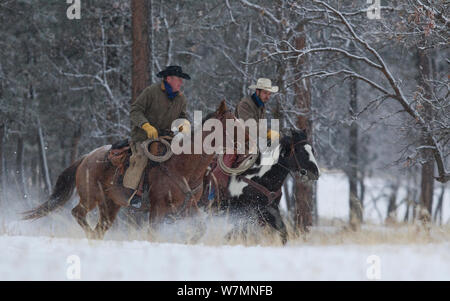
x=255 y=194
x=175 y=186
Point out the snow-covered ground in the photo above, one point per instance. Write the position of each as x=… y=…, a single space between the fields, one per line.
x=42 y=250
x=38 y=258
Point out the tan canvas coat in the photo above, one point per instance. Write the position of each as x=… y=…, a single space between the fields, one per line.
x=247 y=109
x=153 y=106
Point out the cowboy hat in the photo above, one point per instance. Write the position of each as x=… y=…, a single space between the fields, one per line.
x=173 y=71
x=264 y=84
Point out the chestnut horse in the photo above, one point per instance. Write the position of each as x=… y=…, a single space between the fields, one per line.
x=175 y=186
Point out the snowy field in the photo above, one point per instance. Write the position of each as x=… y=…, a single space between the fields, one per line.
x=38 y=258
x=54 y=248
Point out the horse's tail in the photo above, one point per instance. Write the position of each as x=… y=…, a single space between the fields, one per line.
x=62 y=192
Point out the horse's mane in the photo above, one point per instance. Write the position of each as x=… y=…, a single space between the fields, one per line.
x=294 y=136
x=298 y=135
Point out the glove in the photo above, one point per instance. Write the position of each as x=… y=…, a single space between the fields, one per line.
x=151 y=131
x=272 y=135
x=185 y=127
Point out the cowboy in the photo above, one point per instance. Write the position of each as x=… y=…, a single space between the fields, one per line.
x=152 y=113
x=254 y=106
x=249 y=107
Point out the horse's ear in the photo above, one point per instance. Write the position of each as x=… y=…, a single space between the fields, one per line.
x=222 y=107
x=302 y=133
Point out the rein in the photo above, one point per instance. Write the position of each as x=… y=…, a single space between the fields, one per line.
x=270 y=195
x=299 y=166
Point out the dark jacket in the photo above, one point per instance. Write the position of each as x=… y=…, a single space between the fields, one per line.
x=153 y=106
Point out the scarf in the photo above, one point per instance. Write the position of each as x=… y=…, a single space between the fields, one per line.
x=169 y=91
x=257 y=100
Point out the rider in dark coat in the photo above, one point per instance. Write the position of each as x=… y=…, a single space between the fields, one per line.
x=152 y=113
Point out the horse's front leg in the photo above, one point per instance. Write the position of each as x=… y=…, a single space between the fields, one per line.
x=159 y=210
x=272 y=216
x=198 y=227
x=108 y=211
x=153 y=222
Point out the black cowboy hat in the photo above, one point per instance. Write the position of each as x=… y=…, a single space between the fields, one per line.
x=173 y=71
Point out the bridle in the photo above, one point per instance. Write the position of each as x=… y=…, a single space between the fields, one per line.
x=292 y=153
x=299 y=166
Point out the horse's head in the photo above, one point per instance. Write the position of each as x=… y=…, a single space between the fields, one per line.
x=223 y=113
x=299 y=155
x=217 y=122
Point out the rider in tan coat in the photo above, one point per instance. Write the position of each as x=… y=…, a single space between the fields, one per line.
x=254 y=106
x=250 y=107
x=152 y=113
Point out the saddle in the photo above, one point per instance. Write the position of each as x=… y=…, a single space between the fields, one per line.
x=119 y=157
x=120 y=152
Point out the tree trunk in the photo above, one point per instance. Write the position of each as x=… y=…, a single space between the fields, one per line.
x=2 y=167
x=356 y=212
x=426 y=193
x=438 y=211
x=391 y=215
x=362 y=187
x=408 y=205
x=305 y=203
x=140 y=50
x=315 y=207
x=415 y=198
x=408 y=199
x=43 y=157
x=20 y=177
x=427 y=181
x=141 y=55
x=34 y=174
x=413 y=191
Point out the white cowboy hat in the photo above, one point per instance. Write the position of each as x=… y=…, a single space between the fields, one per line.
x=264 y=84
